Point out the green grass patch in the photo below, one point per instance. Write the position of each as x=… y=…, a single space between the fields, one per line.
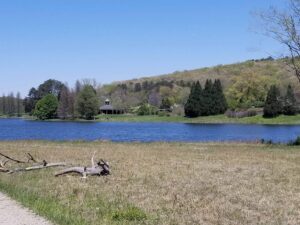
x=205 y=119
x=43 y=206
x=102 y=211
x=129 y=214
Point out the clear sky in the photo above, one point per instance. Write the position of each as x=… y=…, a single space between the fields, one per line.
x=112 y=40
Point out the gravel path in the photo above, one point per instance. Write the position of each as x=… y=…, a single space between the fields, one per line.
x=12 y=213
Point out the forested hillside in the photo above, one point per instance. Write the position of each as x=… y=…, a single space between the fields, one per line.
x=245 y=84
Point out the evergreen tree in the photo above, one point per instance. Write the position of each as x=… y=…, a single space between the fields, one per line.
x=31 y=100
x=19 y=104
x=220 y=100
x=273 y=105
x=198 y=96
x=208 y=101
x=194 y=105
x=87 y=102
x=190 y=106
x=290 y=107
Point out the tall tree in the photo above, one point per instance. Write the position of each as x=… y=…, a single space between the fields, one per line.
x=190 y=106
x=64 y=104
x=4 y=104
x=284 y=27
x=72 y=97
x=290 y=105
x=220 y=100
x=273 y=104
x=194 y=106
x=31 y=100
x=87 y=102
x=19 y=104
x=78 y=87
x=207 y=98
x=50 y=87
x=11 y=104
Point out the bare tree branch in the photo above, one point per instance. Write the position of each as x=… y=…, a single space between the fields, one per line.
x=14 y=160
x=284 y=27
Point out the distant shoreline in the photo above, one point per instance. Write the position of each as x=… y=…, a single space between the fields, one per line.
x=218 y=119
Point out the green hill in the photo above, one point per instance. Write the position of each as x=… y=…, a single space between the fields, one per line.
x=226 y=73
x=252 y=78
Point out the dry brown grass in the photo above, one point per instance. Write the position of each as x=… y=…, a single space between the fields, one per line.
x=174 y=183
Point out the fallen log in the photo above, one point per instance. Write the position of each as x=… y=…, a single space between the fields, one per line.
x=42 y=165
x=3 y=169
x=37 y=167
x=48 y=165
x=100 y=169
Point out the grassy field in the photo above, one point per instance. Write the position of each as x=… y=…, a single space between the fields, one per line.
x=162 y=183
x=205 y=119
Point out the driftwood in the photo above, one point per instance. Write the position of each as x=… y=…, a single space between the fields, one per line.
x=3 y=169
x=37 y=167
x=42 y=165
x=101 y=168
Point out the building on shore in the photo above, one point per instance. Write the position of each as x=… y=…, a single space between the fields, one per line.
x=107 y=108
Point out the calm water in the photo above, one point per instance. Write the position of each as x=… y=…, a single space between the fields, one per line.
x=15 y=129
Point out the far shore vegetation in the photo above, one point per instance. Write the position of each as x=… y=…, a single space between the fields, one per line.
x=258 y=93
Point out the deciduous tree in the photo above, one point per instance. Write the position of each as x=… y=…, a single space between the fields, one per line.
x=87 y=102
x=46 y=107
x=284 y=26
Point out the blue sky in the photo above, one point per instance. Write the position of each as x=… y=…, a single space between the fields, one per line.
x=112 y=40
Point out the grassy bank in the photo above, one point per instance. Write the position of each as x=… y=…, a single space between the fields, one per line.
x=162 y=183
x=205 y=119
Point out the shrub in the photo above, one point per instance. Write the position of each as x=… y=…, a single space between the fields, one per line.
x=46 y=107
x=240 y=114
x=146 y=109
x=163 y=113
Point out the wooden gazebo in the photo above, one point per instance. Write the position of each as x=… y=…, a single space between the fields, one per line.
x=107 y=108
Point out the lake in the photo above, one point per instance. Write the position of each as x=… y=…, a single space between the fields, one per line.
x=18 y=129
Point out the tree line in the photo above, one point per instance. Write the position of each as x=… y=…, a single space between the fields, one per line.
x=207 y=101
x=276 y=104
x=11 y=105
x=53 y=99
